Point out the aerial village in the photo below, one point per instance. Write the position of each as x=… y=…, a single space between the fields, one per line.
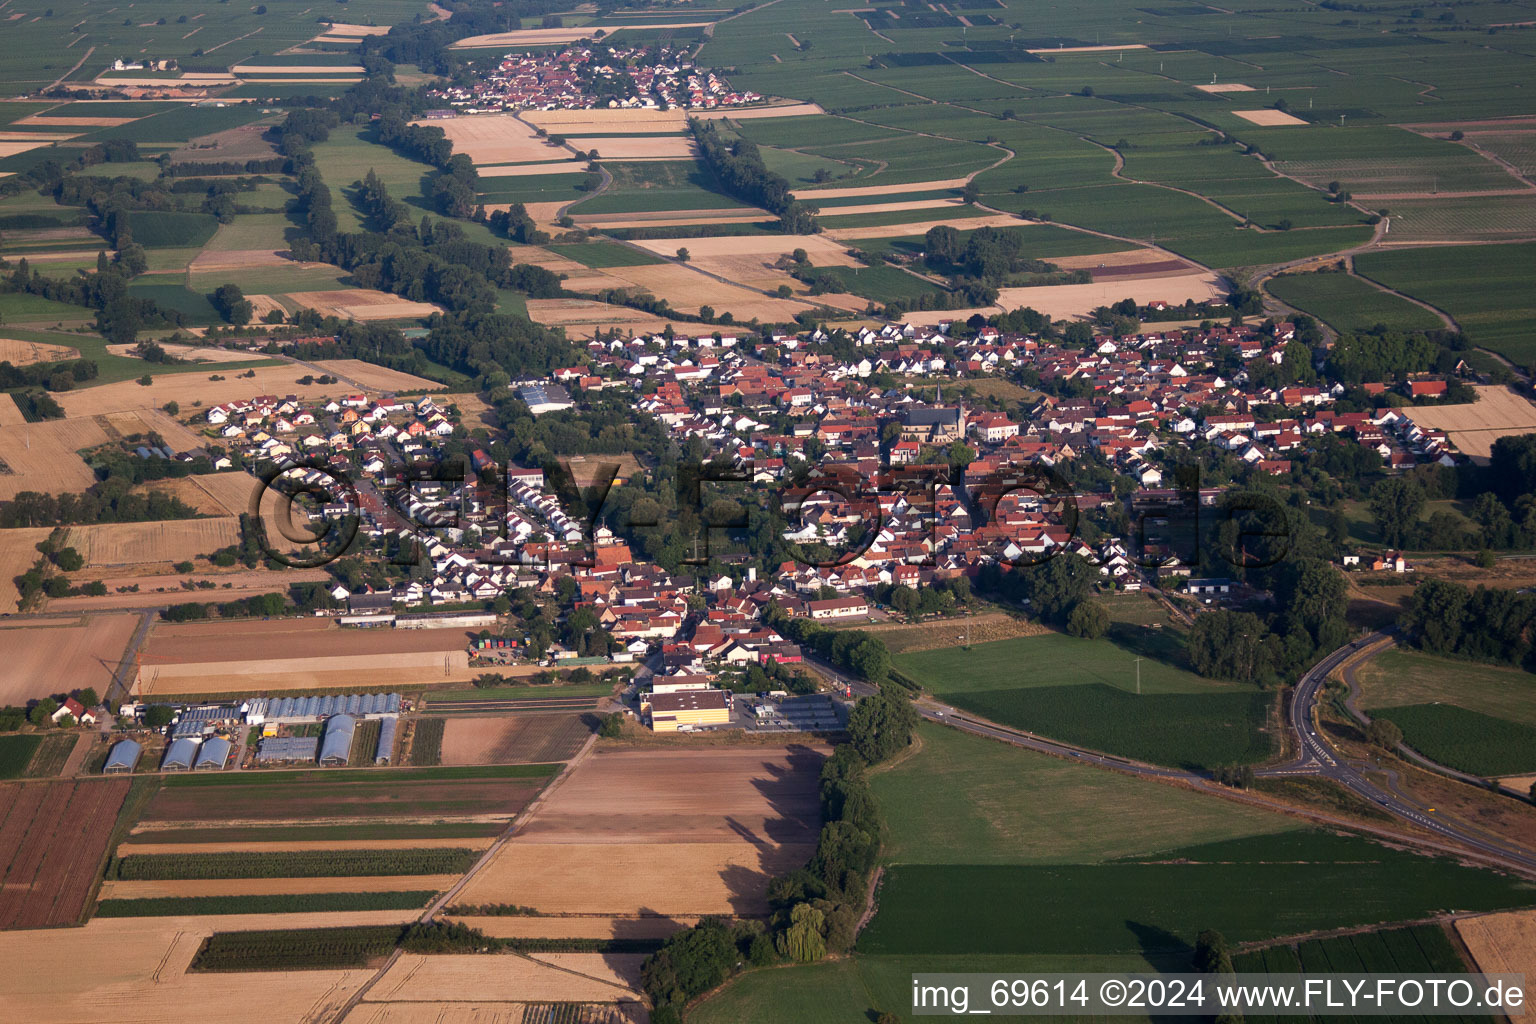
x=581 y=77
x=808 y=414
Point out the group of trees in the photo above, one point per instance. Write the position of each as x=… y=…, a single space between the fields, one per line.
x=1310 y=598
x=852 y=650
x=988 y=254
x=1057 y=590
x=1485 y=624
x=245 y=607
x=741 y=169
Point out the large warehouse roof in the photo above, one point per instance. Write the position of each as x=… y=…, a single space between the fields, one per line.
x=336 y=745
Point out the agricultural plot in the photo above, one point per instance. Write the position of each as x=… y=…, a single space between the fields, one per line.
x=756 y=819
x=235 y=657
x=185 y=389
x=16 y=754
x=1151 y=906
x=965 y=800
x=470 y=800
x=1177 y=718
x=1498 y=412
x=513 y=739
x=42 y=456
x=498 y=139
x=1486 y=288
x=1420 y=949
x=649 y=187
x=52 y=840
x=18 y=553
x=49 y=656
x=1348 y=303
x=375 y=377
x=1502 y=943
x=1466 y=740
x=112 y=544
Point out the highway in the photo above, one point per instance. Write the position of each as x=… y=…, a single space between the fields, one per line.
x=1314 y=758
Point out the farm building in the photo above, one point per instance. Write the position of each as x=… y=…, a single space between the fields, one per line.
x=124 y=758
x=180 y=755
x=688 y=709
x=385 y=751
x=214 y=755
x=456 y=620
x=336 y=745
x=202 y=721
x=287 y=750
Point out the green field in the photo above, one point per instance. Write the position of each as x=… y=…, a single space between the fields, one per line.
x=882 y=282
x=1479 y=718
x=1346 y=303
x=1178 y=718
x=317 y=833
x=159 y=230
x=194 y=306
x=21 y=308
x=347 y=157
x=16 y=753
x=966 y=800
x=1248 y=889
x=1465 y=740
x=606 y=254
x=291 y=864
x=659 y=185
x=1486 y=288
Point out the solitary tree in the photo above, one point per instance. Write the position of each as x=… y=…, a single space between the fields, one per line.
x=1384 y=733
x=682 y=254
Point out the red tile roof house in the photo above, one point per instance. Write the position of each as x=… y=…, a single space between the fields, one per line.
x=75 y=710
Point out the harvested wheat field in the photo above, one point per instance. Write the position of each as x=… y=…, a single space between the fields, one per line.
x=1498 y=412
x=543 y=36
x=473 y=410
x=43 y=456
x=325 y=673
x=52 y=121
x=514 y=739
x=570 y=166
x=242 y=259
x=238 y=656
x=1269 y=118
x=12 y=148
x=593 y=977
x=155 y=588
x=186 y=389
x=46 y=656
x=722 y=820
x=18 y=553
x=581 y=318
x=1219 y=87
x=134 y=971
x=597 y=122
x=687 y=289
x=10 y=412
x=187 y=887
x=823 y=252
x=360 y=304
x=589 y=878
x=1104 y=260
x=1065 y=300
x=136 y=543
x=895 y=206
x=641 y=147
x=25 y=353
x=194 y=353
x=1520 y=784
x=1503 y=944
x=754 y=113
x=375 y=377
x=589 y=927
x=496 y=139
x=233 y=491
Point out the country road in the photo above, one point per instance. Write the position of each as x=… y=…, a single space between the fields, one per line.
x=1315 y=758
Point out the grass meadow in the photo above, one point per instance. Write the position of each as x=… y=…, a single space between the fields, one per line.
x=1084 y=692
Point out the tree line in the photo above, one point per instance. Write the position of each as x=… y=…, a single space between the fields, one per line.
x=740 y=169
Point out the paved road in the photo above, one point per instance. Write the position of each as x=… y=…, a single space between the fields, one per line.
x=1315 y=758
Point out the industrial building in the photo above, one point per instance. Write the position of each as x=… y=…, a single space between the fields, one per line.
x=336 y=744
x=687 y=709
x=180 y=755
x=124 y=758
x=214 y=754
x=287 y=750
